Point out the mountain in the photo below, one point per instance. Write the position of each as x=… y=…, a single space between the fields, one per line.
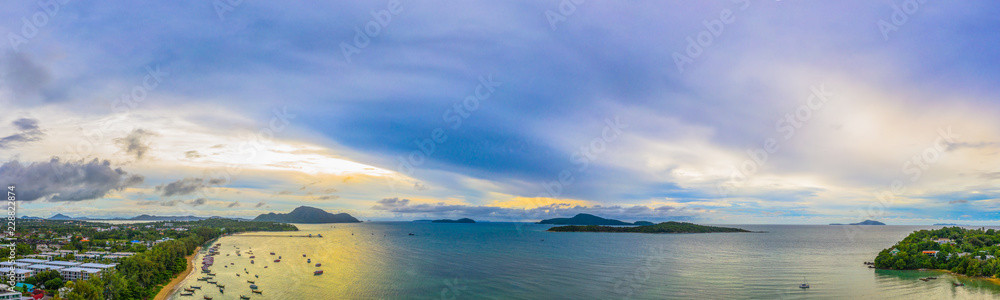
x=583 y=219
x=462 y=220
x=866 y=222
x=644 y=223
x=65 y=217
x=165 y=218
x=307 y=215
x=666 y=227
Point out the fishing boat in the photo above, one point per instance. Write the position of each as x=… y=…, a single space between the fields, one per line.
x=319 y=264
x=221 y=290
x=187 y=294
x=251 y=262
x=203 y=279
x=931 y=278
x=207 y=297
x=258 y=292
x=277 y=260
x=252 y=256
x=189 y=290
x=279 y=256
x=237 y=274
x=924 y=279
x=309 y=260
x=221 y=285
x=804 y=285
x=303 y=255
x=272 y=253
x=255 y=276
x=250 y=281
x=253 y=286
x=196 y=287
x=265 y=267
x=244 y=297
x=213 y=281
x=318 y=272
x=319 y=235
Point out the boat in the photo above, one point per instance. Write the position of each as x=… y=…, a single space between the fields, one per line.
x=237 y=274
x=250 y=281
x=931 y=278
x=203 y=279
x=221 y=290
x=255 y=276
x=221 y=285
x=804 y=285
x=279 y=256
x=196 y=287
x=318 y=264
x=319 y=235
x=213 y=281
x=309 y=260
x=272 y=253
x=232 y=263
x=318 y=272
x=207 y=297
x=244 y=297
x=253 y=286
x=265 y=267
x=258 y=292
x=213 y=274
x=253 y=256
x=251 y=262
x=412 y=234
x=303 y=255
x=277 y=260
x=188 y=290
x=924 y=279
x=871 y=267
x=187 y=294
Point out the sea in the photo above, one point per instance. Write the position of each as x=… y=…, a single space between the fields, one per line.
x=382 y=260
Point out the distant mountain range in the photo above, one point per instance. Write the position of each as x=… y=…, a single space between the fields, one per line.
x=866 y=222
x=307 y=215
x=588 y=219
x=462 y=220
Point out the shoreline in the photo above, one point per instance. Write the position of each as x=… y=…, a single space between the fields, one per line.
x=172 y=286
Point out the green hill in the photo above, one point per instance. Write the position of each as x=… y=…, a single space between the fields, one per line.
x=665 y=227
x=307 y=215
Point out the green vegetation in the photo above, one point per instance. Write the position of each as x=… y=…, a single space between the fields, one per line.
x=307 y=215
x=666 y=227
x=143 y=274
x=462 y=220
x=970 y=252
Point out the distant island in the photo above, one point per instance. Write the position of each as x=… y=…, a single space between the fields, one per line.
x=462 y=220
x=665 y=227
x=867 y=222
x=62 y=217
x=588 y=219
x=307 y=215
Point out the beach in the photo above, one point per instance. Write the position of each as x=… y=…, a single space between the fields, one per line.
x=168 y=289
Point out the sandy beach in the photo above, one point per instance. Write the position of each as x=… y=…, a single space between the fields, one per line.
x=172 y=286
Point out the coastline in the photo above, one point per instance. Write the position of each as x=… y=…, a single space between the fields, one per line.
x=172 y=286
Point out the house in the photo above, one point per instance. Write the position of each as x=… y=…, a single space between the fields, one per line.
x=77 y=273
x=943 y=241
x=894 y=252
x=931 y=252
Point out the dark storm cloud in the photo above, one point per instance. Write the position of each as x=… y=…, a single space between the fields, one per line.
x=187 y=186
x=66 y=181
x=27 y=131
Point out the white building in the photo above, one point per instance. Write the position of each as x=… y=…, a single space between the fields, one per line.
x=102 y=267
x=64 y=264
x=19 y=274
x=77 y=273
x=40 y=268
x=31 y=261
x=9 y=295
x=7 y=265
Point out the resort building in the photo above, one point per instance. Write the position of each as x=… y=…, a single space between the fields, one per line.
x=102 y=267
x=31 y=261
x=7 y=265
x=9 y=295
x=943 y=241
x=932 y=252
x=77 y=273
x=40 y=268
x=64 y=264
x=19 y=274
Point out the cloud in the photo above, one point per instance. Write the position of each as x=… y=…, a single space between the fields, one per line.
x=234 y=204
x=187 y=186
x=958 y=202
x=260 y=204
x=66 y=181
x=328 y=197
x=197 y=202
x=192 y=154
x=136 y=143
x=28 y=131
x=25 y=77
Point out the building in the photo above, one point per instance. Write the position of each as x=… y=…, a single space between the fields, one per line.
x=31 y=261
x=64 y=264
x=19 y=274
x=894 y=252
x=7 y=265
x=40 y=268
x=931 y=252
x=943 y=241
x=102 y=267
x=77 y=273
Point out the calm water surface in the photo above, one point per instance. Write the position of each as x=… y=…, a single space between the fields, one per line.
x=523 y=261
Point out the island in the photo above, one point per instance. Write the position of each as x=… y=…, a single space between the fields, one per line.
x=866 y=223
x=588 y=219
x=970 y=252
x=307 y=215
x=644 y=223
x=462 y=220
x=665 y=227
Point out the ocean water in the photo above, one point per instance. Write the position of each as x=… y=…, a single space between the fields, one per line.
x=523 y=261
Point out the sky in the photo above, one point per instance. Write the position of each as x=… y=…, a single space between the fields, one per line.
x=721 y=112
